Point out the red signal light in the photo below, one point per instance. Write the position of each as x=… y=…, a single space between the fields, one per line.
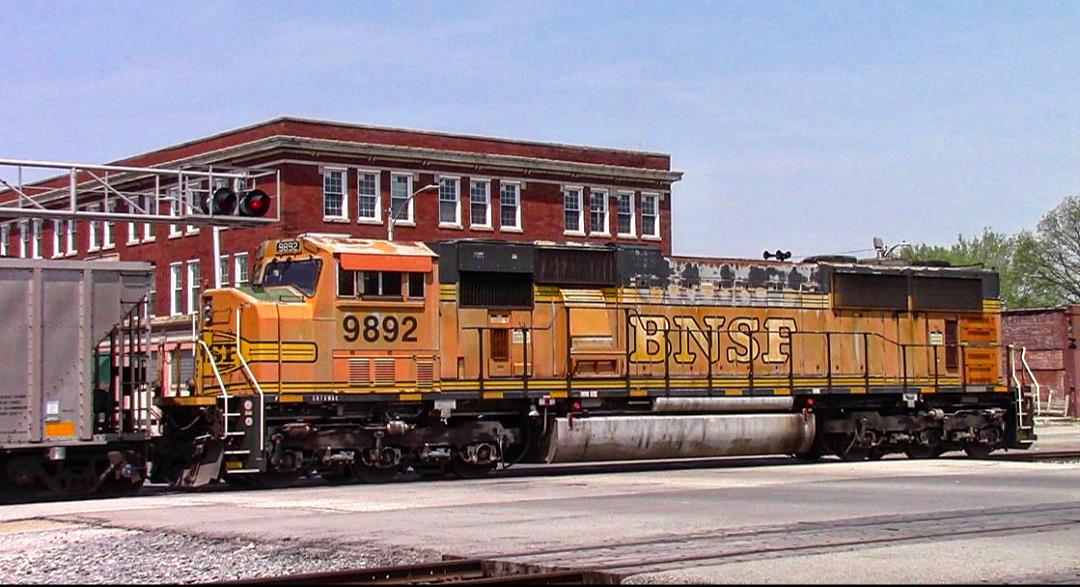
x=254 y=203
x=576 y=406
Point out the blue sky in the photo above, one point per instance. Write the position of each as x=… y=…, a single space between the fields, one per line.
x=809 y=126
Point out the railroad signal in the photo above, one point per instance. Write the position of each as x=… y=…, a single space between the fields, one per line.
x=221 y=202
x=254 y=203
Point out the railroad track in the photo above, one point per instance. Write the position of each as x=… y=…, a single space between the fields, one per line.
x=455 y=571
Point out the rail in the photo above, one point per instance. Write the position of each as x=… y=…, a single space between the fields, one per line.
x=456 y=571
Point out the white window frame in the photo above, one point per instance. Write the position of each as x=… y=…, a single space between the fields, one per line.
x=176 y=287
x=174 y=211
x=189 y=289
x=580 y=191
x=486 y=225
x=633 y=215
x=224 y=263
x=93 y=243
x=37 y=239
x=108 y=229
x=607 y=211
x=456 y=182
x=133 y=227
x=5 y=234
x=407 y=219
x=656 y=216
x=191 y=202
x=71 y=235
x=377 y=219
x=240 y=260
x=517 y=213
x=344 y=171
x=150 y=204
x=57 y=249
x=24 y=238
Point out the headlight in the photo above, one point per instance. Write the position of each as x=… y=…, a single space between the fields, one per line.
x=208 y=311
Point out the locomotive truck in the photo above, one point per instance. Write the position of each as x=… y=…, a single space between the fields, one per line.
x=358 y=359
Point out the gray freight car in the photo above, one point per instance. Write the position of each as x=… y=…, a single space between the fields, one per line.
x=75 y=409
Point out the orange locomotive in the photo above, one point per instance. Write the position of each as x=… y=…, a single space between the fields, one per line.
x=359 y=359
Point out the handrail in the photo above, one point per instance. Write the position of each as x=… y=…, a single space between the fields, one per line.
x=217 y=375
x=1034 y=382
x=254 y=381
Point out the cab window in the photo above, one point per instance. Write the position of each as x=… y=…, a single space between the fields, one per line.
x=302 y=275
x=380 y=285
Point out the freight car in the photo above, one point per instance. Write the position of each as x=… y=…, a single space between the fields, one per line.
x=357 y=359
x=74 y=403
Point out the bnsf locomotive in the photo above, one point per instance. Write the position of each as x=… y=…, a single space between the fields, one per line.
x=358 y=359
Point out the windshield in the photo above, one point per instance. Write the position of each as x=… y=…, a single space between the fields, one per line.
x=303 y=275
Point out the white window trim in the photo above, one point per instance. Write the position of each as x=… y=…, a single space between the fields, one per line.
x=191 y=200
x=409 y=219
x=174 y=284
x=24 y=238
x=71 y=227
x=607 y=212
x=240 y=260
x=656 y=216
x=5 y=234
x=518 y=227
x=225 y=263
x=456 y=225
x=57 y=250
x=580 y=231
x=378 y=196
x=37 y=238
x=148 y=229
x=189 y=285
x=633 y=214
x=344 y=194
x=487 y=226
x=108 y=229
x=174 y=211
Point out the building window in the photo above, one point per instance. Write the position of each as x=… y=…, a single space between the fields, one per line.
x=24 y=238
x=57 y=238
x=598 y=219
x=650 y=219
x=480 y=204
x=174 y=211
x=72 y=247
x=449 y=202
x=92 y=225
x=572 y=210
x=367 y=198
x=334 y=187
x=150 y=204
x=240 y=272
x=223 y=267
x=151 y=300
x=194 y=284
x=176 y=286
x=625 y=214
x=38 y=239
x=401 y=207
x=5 y=233
x=191 y=203
x=510 y=206
x=108 y=228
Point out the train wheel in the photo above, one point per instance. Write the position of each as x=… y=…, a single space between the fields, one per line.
x=978 y=451
x=470 y=471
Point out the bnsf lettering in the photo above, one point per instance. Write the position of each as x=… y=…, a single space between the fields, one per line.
x=373 y=329
x=684 y=339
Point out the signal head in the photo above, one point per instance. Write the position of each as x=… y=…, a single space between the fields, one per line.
x=222 y=202
x=254 y=203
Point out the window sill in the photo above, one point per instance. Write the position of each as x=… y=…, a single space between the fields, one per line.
x=450 y=226
x=149 y=239
x=600 y=234
x=482 y=228
x=108 y=247
x=405 y=223
x=335 y=220
x=372 y=221
x=627 y=235
x=510 y=229
x=573 y=233
x=175 y=235
x=133 y=243
x=649 y=237
x=92 y=250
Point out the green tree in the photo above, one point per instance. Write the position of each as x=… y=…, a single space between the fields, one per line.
x=1051 y=255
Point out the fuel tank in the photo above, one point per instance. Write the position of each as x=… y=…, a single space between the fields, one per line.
x=611 y=438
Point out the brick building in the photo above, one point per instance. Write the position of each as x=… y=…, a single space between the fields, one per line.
x=1049 y=336
x=337 y=177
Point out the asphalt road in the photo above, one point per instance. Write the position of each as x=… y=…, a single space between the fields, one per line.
x=896 y=520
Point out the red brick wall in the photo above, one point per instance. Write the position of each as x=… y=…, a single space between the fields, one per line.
x=1051 y=354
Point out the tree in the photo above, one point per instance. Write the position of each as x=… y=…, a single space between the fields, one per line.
x=1008 y=255
x=1051 y=255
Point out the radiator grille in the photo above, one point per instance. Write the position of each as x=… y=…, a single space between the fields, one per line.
x=359 y=371
x=384 y=371
x=425 y=374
